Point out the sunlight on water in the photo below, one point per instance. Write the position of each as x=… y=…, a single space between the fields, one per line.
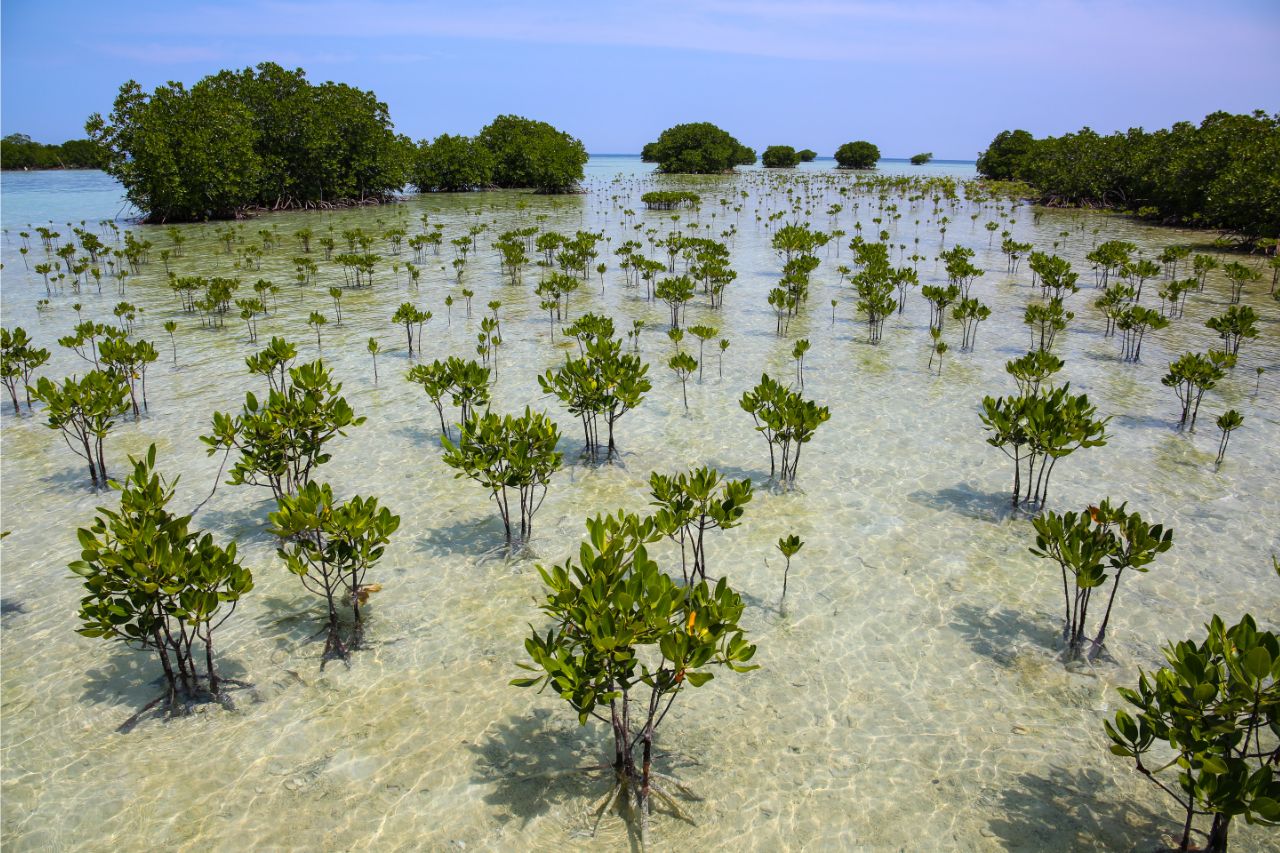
x=910 y=698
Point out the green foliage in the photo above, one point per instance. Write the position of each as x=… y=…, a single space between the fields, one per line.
x=624 y=642
x=1086 y=546
x=1228 y=422
x=19 y=358
x=921 y=159
x=282 y=439
x=511 y=456
x=1217 y=707
x=683 y=365
x=699 y=148
x=1191 y=376
x=1234 y=325
x=84 y=410
x=533 y=154
x=807 y=155
x=786 y=421
x=451 y=164
x=263 y=137
x=669 y=199
x=330 y=546
x=690 y=504
x=1223 y=173
x=1039 y=426
x=789 y=546
x=603 y=383
x=857 y=155
x=412 y=318
x=154 y=583
x=780 y=157
x=466 y=383
x=19 y=151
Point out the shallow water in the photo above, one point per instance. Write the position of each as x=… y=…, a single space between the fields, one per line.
x=909 y=698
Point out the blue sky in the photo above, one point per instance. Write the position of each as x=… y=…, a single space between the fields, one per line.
x=911 y=76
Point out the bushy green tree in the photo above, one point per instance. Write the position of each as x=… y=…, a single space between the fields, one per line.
x=154 y=583
x=807 y=155
x=921 y=159
x=528 y=153
x=699 y=148
x=857 y=155
x=780 y=157
x=451 y=164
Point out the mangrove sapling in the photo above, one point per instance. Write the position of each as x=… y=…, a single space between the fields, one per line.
x=154 y=583
x=798 y=353
x=703 y=333
x=683 y=365
x=789 y=546
x=374 y=348
x=624 y=637
x=282 y=439
x=937 y=348
x=465 y=382
x=412 y=317
x=1040 y=428
x=508 y=454
x=970 y=312
x=1233 y=326
x=786 y=421
x=1030 y=370
x=330 y=546
x=875 y=299
x=1191 y=376
x=1046 y=320
x=690 y=504
x=1214 y=707
x=128 y=362
x=18 y=360
x=1202 y=265
x=677 y=292
x=315 y=321
x=1112 y=303
x=171 y=326
x=84 y=409
x=1228 y=422
x=1135 y=321
x=939 y=298
x=1239 y=275
x=335 y=293
x=724 y=345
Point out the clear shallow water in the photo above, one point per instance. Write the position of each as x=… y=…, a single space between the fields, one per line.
x=909 y=699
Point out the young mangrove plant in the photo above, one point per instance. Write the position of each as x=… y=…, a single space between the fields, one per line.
x=787 y=422
x=683 y=365
x=465 y=382
x=1046 y=320
x=624 y=641
x=1086 y=546
x=282 y=439
x=513 y=457
x=1135 y=321
x=128 y=361
x=1040 y=428
x=692 y=503
x=1234 y=325
x=374 y=348
x=604 y=383
x=154 y=583
x=789 y=546
x=970 y=312
x=1228 y=422
x=330 y=546
x=412 y=318
x=1213 y=709
x=84 y=410
x=1191 y=376
x=18 y=360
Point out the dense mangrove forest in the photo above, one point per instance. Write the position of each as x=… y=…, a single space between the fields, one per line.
x=477 y=492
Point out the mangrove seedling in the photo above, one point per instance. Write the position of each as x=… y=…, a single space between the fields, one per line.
x=315 y=321
x=84 y=410
x=1234 y=325
x=513 y=457
x=724 y=345
x=703 y=333
x=786 y=421
x=1228 y=422
x=374 y=348
x=412 y=317
x=624 y=636
x=154 y=583
x=683 y=365
x=789 y=546
x=1191 y=376
x=330 y=546
x=1213 y=709
x=465 y=382
x=171 y=326
x=18 y=360
x=797 y=354
x=690 y=504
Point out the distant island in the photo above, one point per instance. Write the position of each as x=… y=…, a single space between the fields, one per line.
x=20 y=152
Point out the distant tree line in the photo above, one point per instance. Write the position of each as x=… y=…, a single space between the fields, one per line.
x=511 y=151
x=1224 y=173
x=19 y=151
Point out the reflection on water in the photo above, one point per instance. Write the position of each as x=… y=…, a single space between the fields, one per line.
x=909 y=699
